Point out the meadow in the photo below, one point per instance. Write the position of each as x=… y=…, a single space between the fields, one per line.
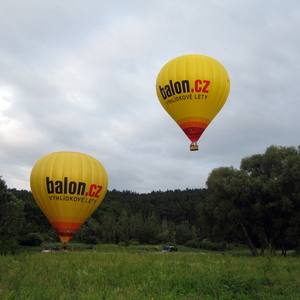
x=114 y=272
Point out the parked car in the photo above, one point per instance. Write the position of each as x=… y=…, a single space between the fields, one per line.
x=169 y=248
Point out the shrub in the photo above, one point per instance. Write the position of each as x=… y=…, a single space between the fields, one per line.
x=134 y=242
x=123 y=244
x=8 y=246
x=193 y=243
x=214 y=246
x=31 y=239
x=206 y=245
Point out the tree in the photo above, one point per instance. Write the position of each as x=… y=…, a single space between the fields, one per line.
x=136 y=228
x=227 y=213
x=88 y=232
x=124 y=227
x=11 y=219
x=258 y=204
x=184 y=233
x=151 y=229
x=35 y=224
x=276 y=175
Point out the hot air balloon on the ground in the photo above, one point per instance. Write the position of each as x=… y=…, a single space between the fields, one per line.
x=68 y=187
x=193 y=89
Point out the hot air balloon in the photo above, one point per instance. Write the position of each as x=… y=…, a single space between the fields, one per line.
x=192 y=89
x=68 y=187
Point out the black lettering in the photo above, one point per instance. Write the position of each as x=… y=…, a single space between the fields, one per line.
x=65 y=185
x=177 y=86
x=185 y=86
x=171 y=86
x=72 y=187
x=168 y=91
x=81 y=188
x=49 y=186
x=162 y=92
x=58 y=187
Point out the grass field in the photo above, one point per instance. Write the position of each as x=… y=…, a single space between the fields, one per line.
x=133 y=273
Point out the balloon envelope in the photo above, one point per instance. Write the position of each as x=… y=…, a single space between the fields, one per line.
x=193 y=89
x=68 y=187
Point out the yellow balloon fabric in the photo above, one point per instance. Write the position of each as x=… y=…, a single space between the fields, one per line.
x=192 y=89
x=68 y=187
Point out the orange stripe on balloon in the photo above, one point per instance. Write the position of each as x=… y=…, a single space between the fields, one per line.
x=194 y=119
x=193 y=129
x=192 y=123
x=65 y=230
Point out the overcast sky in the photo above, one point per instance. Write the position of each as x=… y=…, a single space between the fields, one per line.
x=80 y=76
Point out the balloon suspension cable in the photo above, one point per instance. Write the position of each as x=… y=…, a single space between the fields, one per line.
x=194 y=146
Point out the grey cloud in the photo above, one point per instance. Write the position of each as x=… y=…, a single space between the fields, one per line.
x=83 y=76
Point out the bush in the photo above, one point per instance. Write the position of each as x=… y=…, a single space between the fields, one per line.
x=193 y=244
x=214 y=246
x=8 y=246
x=134 y=242
x=91 y=240
x=123 y=244
x=298 y=248
x=206 y=245
x=31 y=239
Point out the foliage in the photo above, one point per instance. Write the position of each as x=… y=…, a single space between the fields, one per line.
x=207 y=245
x=157 y=217
x=257 y=205
x=11 y=219
x=121 y=274
x=31 y=239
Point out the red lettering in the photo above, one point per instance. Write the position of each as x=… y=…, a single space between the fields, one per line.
x=91 y=190
x=94 y=190
x=201 y=86
x=99 y=188
x=206 y=85
x=198 y=84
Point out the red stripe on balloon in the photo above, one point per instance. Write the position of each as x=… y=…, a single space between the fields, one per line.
x=65 y=230
x=193 y=129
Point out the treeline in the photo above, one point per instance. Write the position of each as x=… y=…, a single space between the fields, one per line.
x=257 y=205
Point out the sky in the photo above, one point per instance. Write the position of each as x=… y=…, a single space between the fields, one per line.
x=80 y=76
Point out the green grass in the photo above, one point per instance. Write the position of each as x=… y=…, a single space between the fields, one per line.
x=113 y=272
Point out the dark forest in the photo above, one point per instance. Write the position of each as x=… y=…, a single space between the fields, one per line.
x=256 y=205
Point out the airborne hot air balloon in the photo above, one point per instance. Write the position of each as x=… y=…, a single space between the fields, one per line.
x=193 y=89
x=68 y=187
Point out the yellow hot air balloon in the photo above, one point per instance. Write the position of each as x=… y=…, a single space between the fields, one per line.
x=193 y=89
x=68 y=187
